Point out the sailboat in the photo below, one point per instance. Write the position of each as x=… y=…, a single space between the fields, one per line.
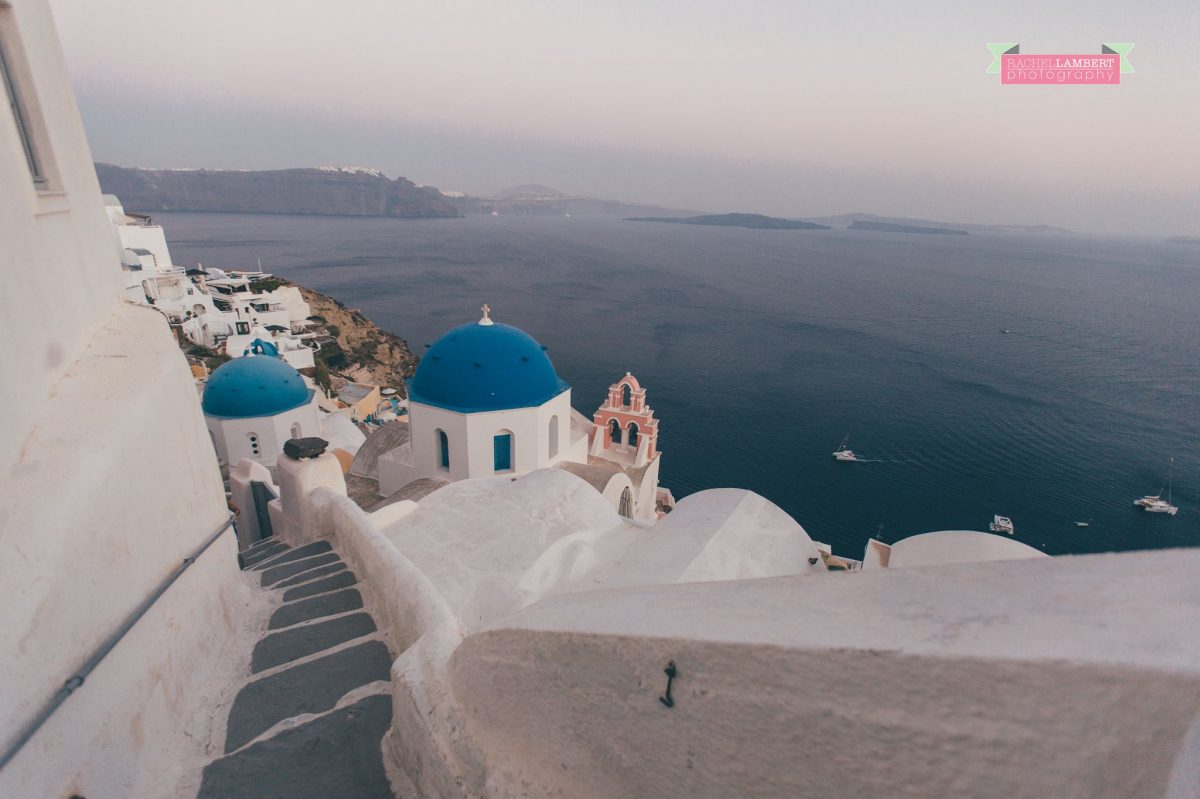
x=1154 y=503
x=843 y=454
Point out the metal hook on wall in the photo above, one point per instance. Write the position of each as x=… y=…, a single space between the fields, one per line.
x=671 y=673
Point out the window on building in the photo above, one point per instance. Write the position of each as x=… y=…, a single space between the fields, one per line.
x=17 y=106
x=553 y=451
x=502 y=450
x=254 y=450
x=614 y=431
x=626 y=395
x=443 y=449
x=633 y=434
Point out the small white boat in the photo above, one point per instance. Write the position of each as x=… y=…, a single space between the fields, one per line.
x=1082 y=524
x=1001 y=524
x=843 y=454
x=1154 y=503
x=1005 y=330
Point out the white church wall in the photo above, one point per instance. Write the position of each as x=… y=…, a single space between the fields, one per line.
x=110 y=480
x=233 y=435
x=471 y=443
x=990 y=682
x=617 y=485
x=647 y=492
x=523 y=423
x=424 y=422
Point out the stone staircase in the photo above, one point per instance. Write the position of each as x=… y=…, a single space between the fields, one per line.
x=310 y=718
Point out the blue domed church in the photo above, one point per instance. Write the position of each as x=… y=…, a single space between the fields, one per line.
x=485 y=400
x=254 y=404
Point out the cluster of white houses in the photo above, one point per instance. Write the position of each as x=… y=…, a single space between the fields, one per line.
x=485 y=401
x=211 y=307
x=534 y=625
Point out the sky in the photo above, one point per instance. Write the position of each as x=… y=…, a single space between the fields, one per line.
x=784 y=108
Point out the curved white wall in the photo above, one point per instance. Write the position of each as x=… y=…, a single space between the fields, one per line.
x=957 y=546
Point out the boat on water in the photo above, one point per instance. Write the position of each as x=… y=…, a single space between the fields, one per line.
x=1083 y=524
x=1154 y=503
x=1005 y=330
x=844 y=454
x=1001 y=524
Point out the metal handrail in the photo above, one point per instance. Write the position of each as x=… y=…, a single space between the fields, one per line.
x=107 y=645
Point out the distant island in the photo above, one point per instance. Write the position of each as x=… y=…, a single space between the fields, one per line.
x=892 y=227
x=537 y=200
x=848 y=220
x=755 y=221
x=326 y=191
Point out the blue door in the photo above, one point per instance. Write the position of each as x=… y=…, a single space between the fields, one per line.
x=502 y=445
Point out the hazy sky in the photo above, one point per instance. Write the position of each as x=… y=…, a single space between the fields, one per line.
x=777 y=107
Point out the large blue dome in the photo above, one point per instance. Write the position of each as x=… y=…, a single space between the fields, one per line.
x=254 y=385
x=485 y=367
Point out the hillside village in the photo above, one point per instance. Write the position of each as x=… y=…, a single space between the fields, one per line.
x=357 y=368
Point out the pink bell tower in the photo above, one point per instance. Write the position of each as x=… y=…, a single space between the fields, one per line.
x=626 y=431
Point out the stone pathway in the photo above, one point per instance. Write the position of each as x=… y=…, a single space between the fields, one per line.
x=310 y=719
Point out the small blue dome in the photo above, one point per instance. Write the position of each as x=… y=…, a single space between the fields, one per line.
x=260 y=347
x=254 y=385
x=485 y=367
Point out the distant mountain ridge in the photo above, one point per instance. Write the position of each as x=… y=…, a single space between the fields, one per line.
x=332 y=191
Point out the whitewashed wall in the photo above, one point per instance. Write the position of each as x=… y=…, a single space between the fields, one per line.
x=232 y=436
x=109 y=480
x=470 y=437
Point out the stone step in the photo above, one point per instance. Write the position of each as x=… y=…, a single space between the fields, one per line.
x=276 y=573
x=312 y=687
x=311 y=574
x=340 y=579
x=336 y=755
x=315 y=608
x=260 y=543
x=297 y=642
x=265 y=553
x=308 y=550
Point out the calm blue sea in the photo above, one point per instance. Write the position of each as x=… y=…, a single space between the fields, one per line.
x=761 y=349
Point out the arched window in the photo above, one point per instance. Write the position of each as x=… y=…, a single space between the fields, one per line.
x=626 y=395
x=297 y=431
x=633 y=434
x=255 y=452
x=443 y=442
x=502 y=448
x=553 y=436
x=614 y=431
x=626 y=508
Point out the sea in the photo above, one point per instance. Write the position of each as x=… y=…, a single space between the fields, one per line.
x=762 y=349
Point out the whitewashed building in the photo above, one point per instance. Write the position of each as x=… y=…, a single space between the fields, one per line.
x=485 y=400
x=210 y=307
x=254 y=404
